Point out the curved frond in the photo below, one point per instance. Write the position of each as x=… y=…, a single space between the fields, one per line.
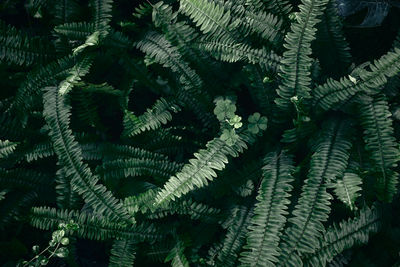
x=6 y=148
x=327 y=163
x=57 y=113
x=270 y=210
x=345 y=235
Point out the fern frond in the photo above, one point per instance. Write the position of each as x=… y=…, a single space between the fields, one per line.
x=327 y=163
x=122 y=253
x=270 y=210
x=66 y=197
x=92 y=226
x=336 y=92
x=345 y=235
x=209 y=16
x=176 y=256
x=66 y=10
x=233 y=52
x=18 y=48
x=380 y=142
x=25 y=179
x=57 y=113
x=152 y=119
x=6 y=148
x=297 y=61
x=235 y=237
x=347 y=189
x=279 y=7
x=121 y=168
x=161 y=50
x=200 y=169
x=101 y=13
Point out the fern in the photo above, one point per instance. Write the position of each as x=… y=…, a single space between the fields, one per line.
x=345 y=235
x=152 y=119
x=6 y=148
x=328 y=162
x=122 y=253
x=268 y=219
x=378 y=136
x=200 y=170
x=295 y=70
x=18 y=48
x=56 y=113
x=347 y=189
x=334 y=93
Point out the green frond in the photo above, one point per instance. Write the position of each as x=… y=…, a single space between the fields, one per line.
x=328 y=162
x=18 y=48
x=363 y=79
x=101 y=13
x=235 y=237
x=6 y=148
x=269 y=212
x=161 y=50
x=80 y=69
x=153 y=118
x=209 y=16
x=279 y=7
x=39 y=78
x=266 y=25
x=66 y=197
x=123 y=253
x=122 y=168
x=200 y=169
x=347 y=189
x=177 y=256
x=39 y=151
x=92 y=225
x=340 y=237
x=297 y=61
x=57 y=113
x=381 y=144
x=229 y=51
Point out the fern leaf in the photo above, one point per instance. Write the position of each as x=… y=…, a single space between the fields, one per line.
x=92 y=225
x=334 y=93
x=328 y=162
x=57 y=113
x=7 y=148
x=296 y=62
x=101 y=13
x=233 y=52
x=345 y=235
x=157 y=47
x=269 y=213
x=347 y=189
x=176 y=256
x=380 y=142
x=152 y=119
x=209 y=16
x=235 y=237
x=200 y=169
x=122 y=253
x=18 y=48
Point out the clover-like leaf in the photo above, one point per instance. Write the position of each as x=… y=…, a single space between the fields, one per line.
x=257 y=123
x=236 y=122
x=229 y=136
x=61 y=252
x=224 y=109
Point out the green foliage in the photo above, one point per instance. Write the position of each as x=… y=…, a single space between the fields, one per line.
x=197 y=133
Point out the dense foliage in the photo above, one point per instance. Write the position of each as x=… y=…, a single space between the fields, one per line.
x=198 y=133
